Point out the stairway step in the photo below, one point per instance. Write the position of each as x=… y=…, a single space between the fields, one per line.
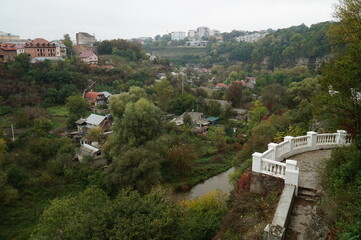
x=307 y=192
x=306 y=197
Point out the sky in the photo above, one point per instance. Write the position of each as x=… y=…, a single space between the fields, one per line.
x=111 y=19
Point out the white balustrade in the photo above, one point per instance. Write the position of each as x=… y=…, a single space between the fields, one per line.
x=269 y=162
x=273 y=168
x=326 y=138
x=300 y=142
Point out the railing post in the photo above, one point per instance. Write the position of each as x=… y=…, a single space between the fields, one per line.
x=292 y=173
x=341 y=137
x=290 y=142
x=257 y=162
x=274 y=153
x=312 y=139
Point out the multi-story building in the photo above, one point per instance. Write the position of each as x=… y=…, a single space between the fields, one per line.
x=177 y=36
x=192 y=35
x=251 y=37
x=8 y=37
x=85 y=38
x=85 y=42
x=39 y=47
x=202 y=32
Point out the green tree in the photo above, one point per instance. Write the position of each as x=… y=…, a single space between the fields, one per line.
x=256 y=114
x=69 y=45
x=138 y=168
x=95 y=134
x=77 y=107
x=165 y=92
x=79 y=217
x=341 y=77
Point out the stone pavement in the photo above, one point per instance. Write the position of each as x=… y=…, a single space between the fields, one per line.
x=304 y=223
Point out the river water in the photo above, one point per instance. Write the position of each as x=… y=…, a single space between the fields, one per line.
x=219 y=182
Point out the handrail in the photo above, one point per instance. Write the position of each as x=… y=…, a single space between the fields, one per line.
x=295 y=145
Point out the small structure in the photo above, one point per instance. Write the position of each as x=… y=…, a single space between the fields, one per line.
x=221 y=85
x=107 y=95
x=88 y=57
x=94 y=120
x=95 y=98
x=196 y=117
x=212 y=120
x=241 y=114
x=93 y=152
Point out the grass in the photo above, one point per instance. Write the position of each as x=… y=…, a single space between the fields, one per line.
x=177 y=52
x=58 y=111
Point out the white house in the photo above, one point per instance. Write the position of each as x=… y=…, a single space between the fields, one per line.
x=89 y=57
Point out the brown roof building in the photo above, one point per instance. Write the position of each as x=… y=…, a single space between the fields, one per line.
x=39 y=47
x=7 y=51
x=89 y=57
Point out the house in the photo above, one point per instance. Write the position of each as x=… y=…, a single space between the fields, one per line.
x=8 y=52
x=196 y=117
x=95 y=98
x=60 y=50
x=221 y=85
x=93 y=121
x=224 y=103
x=94 y=153
x=107 y=95
x=88 y=57
x=241 y=114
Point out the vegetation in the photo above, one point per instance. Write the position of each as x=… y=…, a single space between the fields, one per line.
x=46 y=194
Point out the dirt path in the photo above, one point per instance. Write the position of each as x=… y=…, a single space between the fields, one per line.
x=305 y=224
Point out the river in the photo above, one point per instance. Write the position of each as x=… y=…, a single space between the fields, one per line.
x=219 y=182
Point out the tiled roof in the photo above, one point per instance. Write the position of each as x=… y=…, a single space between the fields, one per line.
x=93 y=95
x=39 y=40
x=221 y=85
x=86 y=54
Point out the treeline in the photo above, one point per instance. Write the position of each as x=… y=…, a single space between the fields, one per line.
x=130 y=50
x=277 y=48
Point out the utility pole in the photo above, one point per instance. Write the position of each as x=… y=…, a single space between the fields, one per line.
x=12 y=131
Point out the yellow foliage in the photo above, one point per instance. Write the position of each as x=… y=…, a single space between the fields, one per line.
x=212 y=200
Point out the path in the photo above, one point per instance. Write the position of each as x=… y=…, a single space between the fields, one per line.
x=304 y=223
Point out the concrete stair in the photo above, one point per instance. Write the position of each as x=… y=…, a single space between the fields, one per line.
x=307 y=194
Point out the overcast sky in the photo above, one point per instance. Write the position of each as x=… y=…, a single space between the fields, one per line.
x=110 y=19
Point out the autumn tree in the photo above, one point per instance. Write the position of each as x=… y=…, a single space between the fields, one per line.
x=234 y=94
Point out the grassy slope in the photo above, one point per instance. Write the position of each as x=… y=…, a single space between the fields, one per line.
x=177 y=52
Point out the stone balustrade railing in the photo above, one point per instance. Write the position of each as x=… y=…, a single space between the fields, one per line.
x=269 y=162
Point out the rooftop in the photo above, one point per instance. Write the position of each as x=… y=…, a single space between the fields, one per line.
x=95 y=119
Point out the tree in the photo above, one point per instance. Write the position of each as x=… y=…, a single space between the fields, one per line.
x=140 y=123
x=165 y=93
x=79 y=217
x=69 y=45
x=129 y=216
x=341 y=77
x=256 y=114
x=180 y=158
x=76 y=105
x=138 y=168
x=234 y=94
x=95 y=134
